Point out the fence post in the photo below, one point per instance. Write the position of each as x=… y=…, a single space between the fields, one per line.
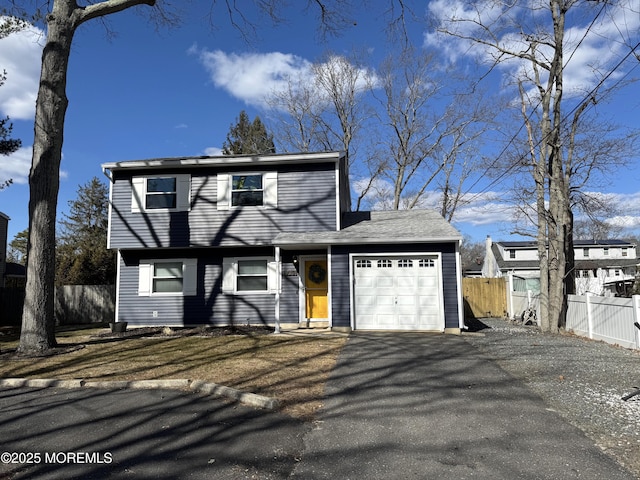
x=635 y=303
x=589 y=317
x=512 y=313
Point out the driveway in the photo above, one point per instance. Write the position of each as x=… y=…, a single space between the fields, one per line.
x=432 y=406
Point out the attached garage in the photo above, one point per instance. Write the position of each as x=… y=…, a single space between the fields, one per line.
x=398 y=292
x=386 y=271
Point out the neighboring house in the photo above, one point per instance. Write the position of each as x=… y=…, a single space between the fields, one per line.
x=269 y=239
x=11 y=274
x=602 y=267
x=4 y=227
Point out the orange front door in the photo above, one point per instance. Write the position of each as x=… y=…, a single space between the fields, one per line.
x=316 y=285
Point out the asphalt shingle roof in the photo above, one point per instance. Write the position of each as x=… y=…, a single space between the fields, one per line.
x=396 y=226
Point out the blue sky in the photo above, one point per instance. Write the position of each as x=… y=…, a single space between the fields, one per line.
x=144 y=93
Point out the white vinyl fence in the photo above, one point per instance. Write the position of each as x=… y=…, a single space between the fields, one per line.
x=610 y=319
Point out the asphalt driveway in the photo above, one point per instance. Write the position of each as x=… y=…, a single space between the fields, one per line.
x=433 y=407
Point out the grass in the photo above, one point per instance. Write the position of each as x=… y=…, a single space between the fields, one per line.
x=292 y=368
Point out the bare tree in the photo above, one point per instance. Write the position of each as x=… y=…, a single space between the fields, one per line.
x=430 y=131
x=325 y=110
x=534 y=34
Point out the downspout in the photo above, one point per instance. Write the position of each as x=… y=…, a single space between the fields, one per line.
x=461 y=324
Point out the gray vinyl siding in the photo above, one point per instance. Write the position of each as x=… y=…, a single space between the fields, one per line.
x=306 y=202
x=340 y=300
x=209 y=307
x=290 y=293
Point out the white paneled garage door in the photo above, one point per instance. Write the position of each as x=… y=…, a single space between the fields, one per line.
x=398 y=293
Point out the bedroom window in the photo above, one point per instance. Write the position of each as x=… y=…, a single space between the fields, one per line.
x=246 y=190
x=237 y=190
x=161 y=193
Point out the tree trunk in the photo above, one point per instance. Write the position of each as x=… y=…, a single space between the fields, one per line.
x=38 y=320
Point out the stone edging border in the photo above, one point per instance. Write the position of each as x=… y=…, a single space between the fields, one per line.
x=249 y=399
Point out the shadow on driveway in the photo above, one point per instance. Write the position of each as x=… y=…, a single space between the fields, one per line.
x=432 y=406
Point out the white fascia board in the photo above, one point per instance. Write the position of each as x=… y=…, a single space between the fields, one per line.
x=224 y=160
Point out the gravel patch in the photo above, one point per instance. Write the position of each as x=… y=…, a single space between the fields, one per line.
x=581 y=379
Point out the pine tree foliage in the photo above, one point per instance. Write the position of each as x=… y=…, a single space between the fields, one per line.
x=18 y=248
x=247 y=137
x=82 y=254
x=8 y=145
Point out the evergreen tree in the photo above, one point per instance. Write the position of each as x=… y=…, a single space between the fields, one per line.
x=82 y=254
x=18 y=248
x=246 y=137
x=8 y=145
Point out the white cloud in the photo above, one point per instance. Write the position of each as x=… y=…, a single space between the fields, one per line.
x=598 y=46
x=251 y=77
x=16 y=166
x=20 y=56
x=213 y=151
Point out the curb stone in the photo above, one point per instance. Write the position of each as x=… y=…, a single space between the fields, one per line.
x=199 y=386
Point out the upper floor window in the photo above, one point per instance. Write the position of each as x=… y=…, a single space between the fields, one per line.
x=161 y=193
x=512 y=254
x=624 y=252
x=585 y=252
x=605 y=251
x=246 y=190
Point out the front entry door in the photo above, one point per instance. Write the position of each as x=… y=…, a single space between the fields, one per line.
x=316 y=289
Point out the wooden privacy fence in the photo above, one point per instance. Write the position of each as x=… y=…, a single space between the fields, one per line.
x=485 y=297
x=74 y=304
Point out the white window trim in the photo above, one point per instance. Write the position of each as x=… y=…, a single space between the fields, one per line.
x=269 y=190
x=189 y=277
x=139 y=193
x=230 y=276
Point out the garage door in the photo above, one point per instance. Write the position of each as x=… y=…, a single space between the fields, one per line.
x=398 y=293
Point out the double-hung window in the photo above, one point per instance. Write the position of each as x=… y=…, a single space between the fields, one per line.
x=242 y=275
x=253 y=190
x=161 y=192
x=247 y=190
x=158 y=193
x=253 y=275
x=167 y=277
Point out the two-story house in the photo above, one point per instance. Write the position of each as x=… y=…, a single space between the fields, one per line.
x=270 y=239
x=601 y=266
